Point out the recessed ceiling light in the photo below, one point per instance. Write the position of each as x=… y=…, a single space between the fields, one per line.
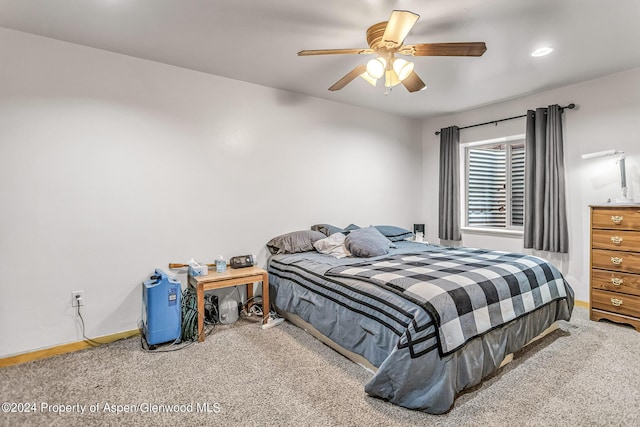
x=543 y=51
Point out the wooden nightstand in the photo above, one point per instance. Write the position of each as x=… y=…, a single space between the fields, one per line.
x=231 y=277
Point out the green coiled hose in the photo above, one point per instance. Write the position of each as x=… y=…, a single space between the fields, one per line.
x=189 y=315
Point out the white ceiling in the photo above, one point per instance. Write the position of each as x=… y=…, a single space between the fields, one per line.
x=257 y=40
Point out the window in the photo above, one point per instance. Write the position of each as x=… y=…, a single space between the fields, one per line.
x=494 y=184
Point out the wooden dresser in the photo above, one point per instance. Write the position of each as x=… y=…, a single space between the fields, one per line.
x=615 y=264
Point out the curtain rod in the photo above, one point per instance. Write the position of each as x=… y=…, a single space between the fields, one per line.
x=570 y=106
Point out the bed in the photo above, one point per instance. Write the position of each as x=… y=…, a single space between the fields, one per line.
x=414 y=315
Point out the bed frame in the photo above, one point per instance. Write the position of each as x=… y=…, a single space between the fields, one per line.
x=356 y=358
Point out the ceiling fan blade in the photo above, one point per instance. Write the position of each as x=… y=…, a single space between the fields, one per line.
x=413 y=83
x=334 y=52
x=398 y=26
x=349 y=77
x=445 y=49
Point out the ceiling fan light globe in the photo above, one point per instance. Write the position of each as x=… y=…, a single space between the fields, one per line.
x=402 y=68
x=391 y=78
x=369 y=79
x=376 y=67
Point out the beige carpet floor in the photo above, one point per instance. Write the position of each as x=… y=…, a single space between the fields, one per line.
x=585 y=374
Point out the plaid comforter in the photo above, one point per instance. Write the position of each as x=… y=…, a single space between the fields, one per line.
x=467 y=292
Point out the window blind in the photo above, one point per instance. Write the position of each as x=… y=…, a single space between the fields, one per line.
x=486 y=192
x=517 y=185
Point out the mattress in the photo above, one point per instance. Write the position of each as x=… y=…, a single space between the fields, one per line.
x=396 y=332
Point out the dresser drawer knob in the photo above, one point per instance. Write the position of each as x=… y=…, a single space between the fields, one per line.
x=616 y=240
x=617 y=219
x=617 y=281
x=615 y=260
x=616 y=302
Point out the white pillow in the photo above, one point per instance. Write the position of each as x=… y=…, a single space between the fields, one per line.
x=332 y=245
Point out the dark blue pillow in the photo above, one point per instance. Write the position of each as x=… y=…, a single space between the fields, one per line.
x=327 y=229
x=349 y=228
x=394 y=233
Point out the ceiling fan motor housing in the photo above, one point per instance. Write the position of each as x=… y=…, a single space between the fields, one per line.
x=374 y=35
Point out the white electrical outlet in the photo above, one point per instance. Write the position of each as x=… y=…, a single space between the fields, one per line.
x=77 y=298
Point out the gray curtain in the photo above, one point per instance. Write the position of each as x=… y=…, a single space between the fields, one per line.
x=449 y=208
x=545 y=225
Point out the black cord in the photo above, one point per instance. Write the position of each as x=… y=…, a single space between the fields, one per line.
x=148 y=350
x=188 y=344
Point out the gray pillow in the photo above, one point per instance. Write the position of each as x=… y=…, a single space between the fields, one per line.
x=394 y=233
x=367 y=242
x=294 y=242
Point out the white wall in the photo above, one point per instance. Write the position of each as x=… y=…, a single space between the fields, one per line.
x=607 y=116
x=112 y=166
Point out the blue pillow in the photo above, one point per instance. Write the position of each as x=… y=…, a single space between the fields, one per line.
x=367 y=242
x=393 y=233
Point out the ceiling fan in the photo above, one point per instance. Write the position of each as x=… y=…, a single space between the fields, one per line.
x=385 y=40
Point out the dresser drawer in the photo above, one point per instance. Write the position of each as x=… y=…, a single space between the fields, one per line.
x=617 y=240
x=615 y=219
x=615 y=260
x=615 y=303
x=623 y=283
